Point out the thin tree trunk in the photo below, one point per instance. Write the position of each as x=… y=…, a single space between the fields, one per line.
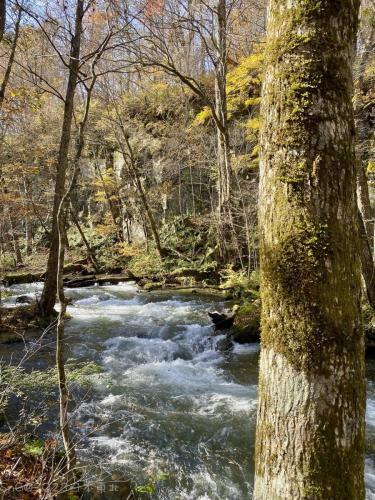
x=224 y=166
x=90 y=251
x=130 y=161
x=363 y=137
x=192 y=189
x=112 y=208
x=28 y=236
x=226 y=230
x=310 y=427
x=179 y=188
x=16 y=246
x=368 y=268
x=28 y=225
x=48 y=298
x=2 y=18
x=60 y=348
x=8 y=70
x=364 y=203
x=150 y=216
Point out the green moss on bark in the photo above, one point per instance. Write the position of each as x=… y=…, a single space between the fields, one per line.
x=311 y=330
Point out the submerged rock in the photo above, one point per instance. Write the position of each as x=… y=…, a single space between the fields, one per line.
x=24 y=299
x=225 y=344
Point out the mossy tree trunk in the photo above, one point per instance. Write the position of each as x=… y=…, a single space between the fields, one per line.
x=310 y=427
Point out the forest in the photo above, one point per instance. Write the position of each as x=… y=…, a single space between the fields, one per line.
x=187 y=249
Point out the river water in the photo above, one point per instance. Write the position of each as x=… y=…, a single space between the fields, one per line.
x=169 y=410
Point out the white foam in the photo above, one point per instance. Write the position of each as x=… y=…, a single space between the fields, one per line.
x=370 y=412
x=370 y=479
x=216 y=404
x=110 y=400
x=136 y=351
x=31 y=290
x=246 y=348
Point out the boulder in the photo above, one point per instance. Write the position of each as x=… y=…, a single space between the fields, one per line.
x=246 y=326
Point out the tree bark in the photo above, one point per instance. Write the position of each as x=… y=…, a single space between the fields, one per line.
x=8 y=70
x=368 y=269
x=17 y=251
x=223 y=159
x=2 y=18
x=363 y=136
x=69 y=448
x=48 y=298
x=28 y=224
x=310 y=427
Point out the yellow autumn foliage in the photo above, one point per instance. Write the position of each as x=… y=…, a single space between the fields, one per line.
x=202 y=117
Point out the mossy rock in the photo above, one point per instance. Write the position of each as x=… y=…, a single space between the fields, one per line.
x=10 y=337
x=22 y=320
x=74 y=267
x=73 y=281
x=368 y=318
x=246 y=327
x=149 y=286
x=18 y=278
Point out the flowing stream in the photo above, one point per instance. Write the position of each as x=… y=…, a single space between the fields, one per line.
x=168 y=410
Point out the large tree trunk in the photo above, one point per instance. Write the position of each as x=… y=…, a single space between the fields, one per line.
x=310 y=428
x=48 y=298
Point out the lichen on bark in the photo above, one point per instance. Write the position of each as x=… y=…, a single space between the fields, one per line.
x=311 y=388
